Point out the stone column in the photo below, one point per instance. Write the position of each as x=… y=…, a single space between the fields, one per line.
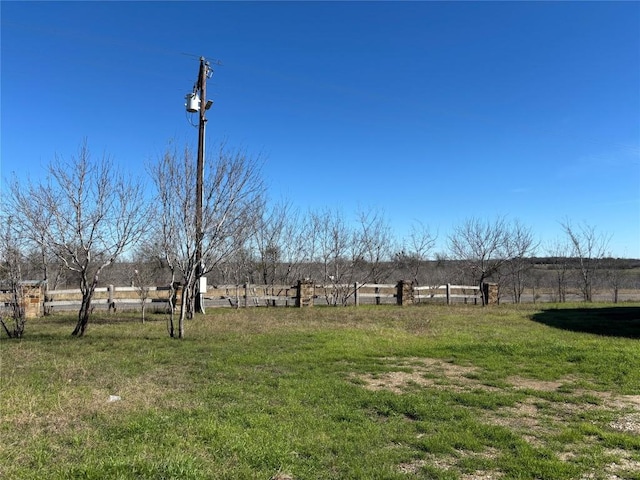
x=404 y=295
x=305 y=293
x=490 y=293
x=31 y=295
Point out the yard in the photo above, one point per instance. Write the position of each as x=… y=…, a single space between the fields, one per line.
x=386 y=392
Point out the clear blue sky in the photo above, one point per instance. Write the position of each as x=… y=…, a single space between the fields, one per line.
x=430 y=112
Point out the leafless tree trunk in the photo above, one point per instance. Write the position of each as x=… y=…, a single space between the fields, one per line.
x=88 y=213
x=171 y=330
x=589 y=248
x=140 y=280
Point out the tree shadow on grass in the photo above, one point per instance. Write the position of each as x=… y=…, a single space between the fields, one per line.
x=607 y=321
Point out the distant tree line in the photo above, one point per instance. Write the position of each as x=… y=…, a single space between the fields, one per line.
x=88 y=223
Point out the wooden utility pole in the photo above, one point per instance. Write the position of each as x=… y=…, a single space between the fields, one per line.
x=202 y=88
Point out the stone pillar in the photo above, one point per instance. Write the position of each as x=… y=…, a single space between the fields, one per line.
x=404 y=295
x=305 y=293
x=490 y=293
x=32 y=297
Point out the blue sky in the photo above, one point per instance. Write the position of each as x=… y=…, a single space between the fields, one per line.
x=427 y=111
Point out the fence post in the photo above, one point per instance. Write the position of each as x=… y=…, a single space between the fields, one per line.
x=246 y=295
x=448 y=294
x=404 y=293
x=111 y=304
x=305 y=293
x=490 y=293
x=356 y=297
x=31 y=298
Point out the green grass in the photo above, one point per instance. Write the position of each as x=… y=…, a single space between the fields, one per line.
x=510 y=392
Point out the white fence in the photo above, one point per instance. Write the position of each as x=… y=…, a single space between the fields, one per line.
x=106 y=297
x=243 y=296
x=450 y=293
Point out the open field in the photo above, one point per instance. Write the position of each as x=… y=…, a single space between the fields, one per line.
x=429 y=391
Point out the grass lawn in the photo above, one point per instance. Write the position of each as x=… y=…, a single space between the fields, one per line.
x=437 y=392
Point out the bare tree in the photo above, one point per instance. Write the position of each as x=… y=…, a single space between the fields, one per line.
x=373 y=242
x=268 y=240
x=11 y=260
x=146 y=267
x=336 y=254
x=589 y=248
x=479 y=245
x=35 y=242
x=87 y=213
x=614 y=273
x=309 y=252
x=239 y=267
x=174 y=179
x=559 y=255
x=416 y=250
x=232 y=196
x=520 y=245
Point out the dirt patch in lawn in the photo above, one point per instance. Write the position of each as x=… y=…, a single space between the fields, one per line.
x=522 y=383
x=406 y=373
x=449 y=462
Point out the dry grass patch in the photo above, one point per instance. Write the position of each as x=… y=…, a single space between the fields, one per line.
x=451 y=462
x=481 y=475
x=424 y=372
x=533 y=384
x=412 y=468
x=627 y=423
x=525 y=416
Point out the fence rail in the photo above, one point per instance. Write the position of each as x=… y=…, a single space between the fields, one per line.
x=450 y=292
x=106 y=297
x=249 y=295
x=36 y=301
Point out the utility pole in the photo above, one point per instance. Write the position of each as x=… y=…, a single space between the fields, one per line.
x=202 y=83
x=197 y=101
